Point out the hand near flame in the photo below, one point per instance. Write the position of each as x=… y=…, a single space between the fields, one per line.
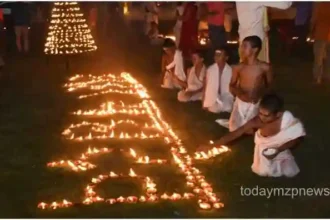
x=205 y=147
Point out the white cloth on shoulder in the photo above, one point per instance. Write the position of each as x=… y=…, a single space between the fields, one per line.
x=242 y=113
x=178 y=66
x=193 y=83
x=284 y=163
x=217 y=95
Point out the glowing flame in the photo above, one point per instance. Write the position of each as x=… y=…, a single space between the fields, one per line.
x=132 y=173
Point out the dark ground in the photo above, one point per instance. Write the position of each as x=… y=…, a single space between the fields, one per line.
x=34 y=110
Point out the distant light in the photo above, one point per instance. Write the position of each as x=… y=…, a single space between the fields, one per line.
x=232 y=42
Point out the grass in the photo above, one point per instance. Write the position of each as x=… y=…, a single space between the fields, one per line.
x=34 y=110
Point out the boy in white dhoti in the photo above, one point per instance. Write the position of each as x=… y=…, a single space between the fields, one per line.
x=250 y=81
x=174 y=75
x=195 y=79
x=277 y=131
x=217 y=97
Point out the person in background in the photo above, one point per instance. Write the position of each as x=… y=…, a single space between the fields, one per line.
x=320 y=31
x=215 y=19
x=151 y=10
x=92 y=19
x=303 y=15
x=189 y=31
x=193 y=88
x=228 y=19
x=217 y=97
x=178 y=24
x=252 y=17
x=277 y=132
x=173 y=73
x=21 y=15
x=2 y=63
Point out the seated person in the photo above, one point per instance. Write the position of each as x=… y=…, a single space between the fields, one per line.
x=277 y=131
x=217 y=97
x=173 y=73
x=195 y=79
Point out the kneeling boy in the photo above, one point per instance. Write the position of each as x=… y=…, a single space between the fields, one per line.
x=277 y=131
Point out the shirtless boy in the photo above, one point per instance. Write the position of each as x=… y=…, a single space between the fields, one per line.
x=277 y=131
x=250 y=81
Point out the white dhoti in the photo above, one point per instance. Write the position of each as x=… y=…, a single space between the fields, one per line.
x=194 y=83
x=217 y=97
x=177 y=64
x=242 y=113
x=284 y=163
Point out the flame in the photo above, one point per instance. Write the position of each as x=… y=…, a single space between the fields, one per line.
x=112 y=174
x=204 y=205
x=111 y=201
x=164 y=196
x=132 y=173
x=42 y=205
x=54 y=205
x=121 y=199
x=132 y=199
x=218 y=205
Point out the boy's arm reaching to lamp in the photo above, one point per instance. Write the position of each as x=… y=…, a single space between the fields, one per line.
x=231 y=136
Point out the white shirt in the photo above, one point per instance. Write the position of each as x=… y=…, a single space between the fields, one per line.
x=250 y=17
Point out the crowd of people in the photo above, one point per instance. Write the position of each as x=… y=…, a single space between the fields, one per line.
x=244 y=90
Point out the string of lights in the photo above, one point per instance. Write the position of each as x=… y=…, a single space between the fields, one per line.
x=68 y=32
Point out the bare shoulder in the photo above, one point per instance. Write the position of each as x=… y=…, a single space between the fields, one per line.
x=254 y=123
x=265 y=66
x=237 y=67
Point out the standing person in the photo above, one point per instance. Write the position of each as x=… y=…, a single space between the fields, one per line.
x=189 y=31
x=21 y=14
x=215 y=20
x=303 y=15
x=92 y=19
x=151 y=10
x=250 y=80
x=178 y=24
x=320 y=30
x=252 y=17
x=2 y=63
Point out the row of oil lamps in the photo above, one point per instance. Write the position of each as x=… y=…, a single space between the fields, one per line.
x=82 y=163
x=203 y=191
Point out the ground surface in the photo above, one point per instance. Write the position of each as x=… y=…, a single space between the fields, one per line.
x=35 y=109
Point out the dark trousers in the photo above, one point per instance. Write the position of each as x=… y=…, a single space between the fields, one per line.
x=218 y=38
x=217 y=35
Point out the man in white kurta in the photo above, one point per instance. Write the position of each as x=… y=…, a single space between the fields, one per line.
x=251 y=17
x=217 y=97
